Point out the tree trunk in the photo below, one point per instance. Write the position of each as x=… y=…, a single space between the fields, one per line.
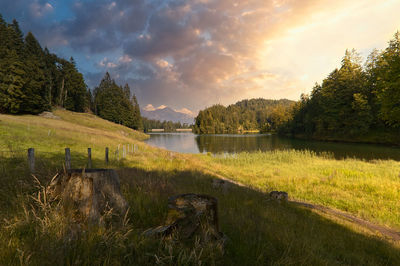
x=61 y=93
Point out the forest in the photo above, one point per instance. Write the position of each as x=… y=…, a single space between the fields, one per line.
x=33 y=80
x=168 y=126
x=247 y=115
x=356 y=102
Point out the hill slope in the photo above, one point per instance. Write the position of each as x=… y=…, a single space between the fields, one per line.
x=77 y=131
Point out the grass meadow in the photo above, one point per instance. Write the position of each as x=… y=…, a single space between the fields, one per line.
x=259 y=231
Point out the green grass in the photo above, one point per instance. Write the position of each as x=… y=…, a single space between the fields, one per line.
x=260 y=231
x=369 y=190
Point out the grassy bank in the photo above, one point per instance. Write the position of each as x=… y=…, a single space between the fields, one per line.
x=370 y=190
x=260 y=231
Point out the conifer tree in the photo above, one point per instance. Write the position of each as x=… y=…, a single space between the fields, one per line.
x=137 y=118
x=75 y=90
x=112 y=102
x=35 y=89
x=12 y=71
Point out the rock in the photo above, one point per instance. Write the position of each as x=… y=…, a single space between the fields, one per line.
x=191 y=215
x=89 y=194
x=49 y=115
x=279 y=195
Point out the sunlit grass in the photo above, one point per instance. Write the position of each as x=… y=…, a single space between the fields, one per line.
x=370 y=190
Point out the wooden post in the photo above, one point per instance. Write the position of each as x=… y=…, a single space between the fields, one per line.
x=134 y=147
x=89 y=151
x=123 y=151
x=67 y=158
x=31 y=159
x=106 y=155
x=117 y=154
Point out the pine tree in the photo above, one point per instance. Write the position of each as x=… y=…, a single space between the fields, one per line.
x=16 y=38
x=75 y=89
x=112 y=102
x=137 y=118
x=35 y=89
x=11 y=83
x=12 y=72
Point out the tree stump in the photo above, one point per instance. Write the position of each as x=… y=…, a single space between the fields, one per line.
x=189 y=216
x=88 y=193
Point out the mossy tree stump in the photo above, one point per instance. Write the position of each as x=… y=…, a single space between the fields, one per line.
x=190 y=216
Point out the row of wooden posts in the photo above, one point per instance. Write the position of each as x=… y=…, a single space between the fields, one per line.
x=130 y=148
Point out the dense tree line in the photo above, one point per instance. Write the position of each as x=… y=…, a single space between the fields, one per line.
x=355 y=102
x=168 y=126
x=247 y=115
x=115 y=103
x=32 y=79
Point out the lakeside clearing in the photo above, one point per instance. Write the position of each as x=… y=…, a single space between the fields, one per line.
x=260 y=231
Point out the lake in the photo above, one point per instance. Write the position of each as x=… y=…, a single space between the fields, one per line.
x=230 y=143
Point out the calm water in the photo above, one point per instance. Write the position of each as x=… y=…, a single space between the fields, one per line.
x=191 y=143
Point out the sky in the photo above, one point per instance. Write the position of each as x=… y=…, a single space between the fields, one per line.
x=191 y=54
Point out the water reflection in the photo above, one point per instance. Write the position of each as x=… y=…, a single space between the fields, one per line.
x=180 y=142
x=191 y=143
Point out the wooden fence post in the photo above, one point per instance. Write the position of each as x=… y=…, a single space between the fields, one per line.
x=67 y=158
x=134 y=148
x=89 y=151
x=123 y=151
x=31 y=159
x=106 y=155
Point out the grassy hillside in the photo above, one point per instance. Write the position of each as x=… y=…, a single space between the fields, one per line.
x=260 y=231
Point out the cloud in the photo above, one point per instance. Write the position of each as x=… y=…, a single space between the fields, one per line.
x=193 y=53
x=39 y=10
x=125 y=59
x=162 y=63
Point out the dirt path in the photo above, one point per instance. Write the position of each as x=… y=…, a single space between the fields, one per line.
x=384 y=231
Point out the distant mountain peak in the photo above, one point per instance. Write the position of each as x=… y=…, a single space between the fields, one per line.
x=166 y=113
x=150 y=107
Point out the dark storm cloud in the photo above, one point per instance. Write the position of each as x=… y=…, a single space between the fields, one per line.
x=101 y=26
